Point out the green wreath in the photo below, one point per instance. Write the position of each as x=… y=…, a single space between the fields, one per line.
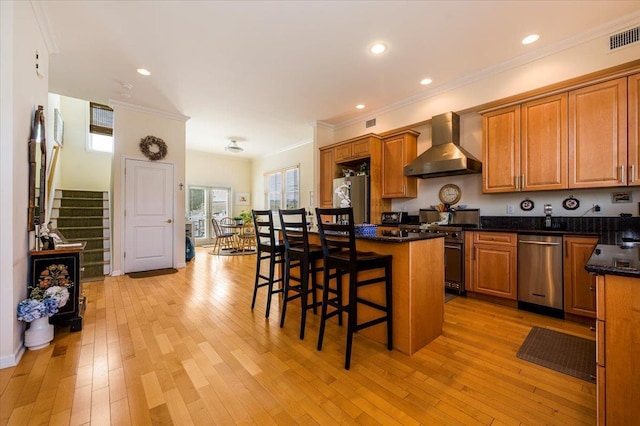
x=156 y=154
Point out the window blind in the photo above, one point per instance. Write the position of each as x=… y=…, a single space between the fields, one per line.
x=100 y=119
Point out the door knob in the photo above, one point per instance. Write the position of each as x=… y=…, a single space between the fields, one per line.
x=168 y=221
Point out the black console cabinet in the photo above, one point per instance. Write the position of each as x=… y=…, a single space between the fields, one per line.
x=61 y=267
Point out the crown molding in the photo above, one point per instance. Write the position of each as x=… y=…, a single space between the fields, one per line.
x=323 y=124
x=42 y=19
x=147 y=110
x=587 y=36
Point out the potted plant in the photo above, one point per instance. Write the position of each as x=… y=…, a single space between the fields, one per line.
x=36 y=310
x=246 y=217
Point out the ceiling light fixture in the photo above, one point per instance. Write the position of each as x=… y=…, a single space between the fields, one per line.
x=360 y=106
x=143 y=71
x=378 y=48
x=233 y=147
x=426 y=81
x=530 y=39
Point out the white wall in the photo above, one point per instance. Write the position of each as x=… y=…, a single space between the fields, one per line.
x=302 y=155
x=78 y=168
x=569 y=63
x=131 y=124
x=223 y=171
x=22 y=91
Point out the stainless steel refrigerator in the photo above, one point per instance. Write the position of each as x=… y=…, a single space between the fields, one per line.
x=353 y=191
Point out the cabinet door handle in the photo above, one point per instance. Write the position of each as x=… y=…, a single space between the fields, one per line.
x=566 y=249
x=592 y=288
x=622 y=173
x=522 y=182
x=632 y=173
x=515 y=182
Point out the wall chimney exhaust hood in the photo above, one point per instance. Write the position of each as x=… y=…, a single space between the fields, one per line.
x=445 y=157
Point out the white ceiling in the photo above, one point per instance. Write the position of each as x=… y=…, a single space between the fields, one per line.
x=265 y=71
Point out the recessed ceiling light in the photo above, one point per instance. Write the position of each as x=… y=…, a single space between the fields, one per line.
x=360 y=106
x=530 y=39
x=378 y=48
x=426 y=81
x=143 y=71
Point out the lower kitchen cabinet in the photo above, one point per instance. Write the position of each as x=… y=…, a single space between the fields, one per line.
x=494 y=264
x=579 y=285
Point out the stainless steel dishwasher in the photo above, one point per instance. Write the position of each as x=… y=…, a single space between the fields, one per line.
x=540 y=280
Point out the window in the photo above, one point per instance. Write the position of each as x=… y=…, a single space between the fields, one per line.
x=283 y=189
x=100 y=128
x=204 y=203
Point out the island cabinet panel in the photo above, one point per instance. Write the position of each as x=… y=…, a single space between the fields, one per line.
x=579 y=285
x=633 y=143
x=619 y=367
x=495 y=264
x=501 y=150
x=544 y=144
x=327 y=174
x=398 y=150
x=598 y=135
x=417 y=292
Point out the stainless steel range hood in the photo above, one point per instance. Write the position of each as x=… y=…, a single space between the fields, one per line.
x=445 y=157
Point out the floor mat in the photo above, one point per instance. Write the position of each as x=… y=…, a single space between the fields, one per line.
x=154 y=273
x=234 y=252
x=561 y=352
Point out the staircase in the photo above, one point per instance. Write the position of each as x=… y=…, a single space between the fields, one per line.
x=84 y=216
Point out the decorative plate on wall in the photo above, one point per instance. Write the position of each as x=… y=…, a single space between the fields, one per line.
x=527 y=205
x=571 y=203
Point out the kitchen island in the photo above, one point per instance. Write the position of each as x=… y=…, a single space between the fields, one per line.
x=418 y=287
x=617 y=332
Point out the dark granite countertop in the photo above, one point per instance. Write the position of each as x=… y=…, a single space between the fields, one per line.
x=387 y=235
x=615 y=260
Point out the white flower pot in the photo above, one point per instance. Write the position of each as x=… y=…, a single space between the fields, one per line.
x=39 y=334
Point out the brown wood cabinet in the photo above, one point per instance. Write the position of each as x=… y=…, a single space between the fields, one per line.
x=327 y=174
x=397 y=151
x=354 y=149
x=501 y=150
x=494 y=264
x=544 y=144
x=633 y=138
x=598 y=135
x=618 y=350
x=525 y=146
x=579 y=285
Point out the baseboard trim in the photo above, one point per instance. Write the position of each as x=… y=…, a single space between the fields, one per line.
x=13 y=359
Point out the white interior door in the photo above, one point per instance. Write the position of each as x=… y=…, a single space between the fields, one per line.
x=148 y=216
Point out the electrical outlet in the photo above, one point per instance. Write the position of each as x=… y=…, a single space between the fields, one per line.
x=597 y=208
x=510 y=209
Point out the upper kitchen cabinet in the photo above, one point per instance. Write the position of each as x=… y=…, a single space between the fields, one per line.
x=525 y=146
x=501 y=150
x=544 y=144
x=398 y=150
x=327 y=174
x=633 y=142
x=598 y=135
x=354 y=149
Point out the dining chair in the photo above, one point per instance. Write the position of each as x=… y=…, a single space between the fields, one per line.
x=268 y=249
x=222 y=240
x=247 y=237
x=337 y=232
x=303 y=256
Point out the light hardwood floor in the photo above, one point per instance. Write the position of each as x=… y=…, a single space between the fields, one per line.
x=187 y=349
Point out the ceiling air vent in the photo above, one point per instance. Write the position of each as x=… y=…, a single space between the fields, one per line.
x=624 y=38
x=370 y=123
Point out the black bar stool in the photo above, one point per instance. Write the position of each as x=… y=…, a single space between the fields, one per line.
x=299 y=254
x=268 y=248
x=339 y=233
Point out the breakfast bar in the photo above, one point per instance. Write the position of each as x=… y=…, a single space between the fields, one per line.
x=418 y=287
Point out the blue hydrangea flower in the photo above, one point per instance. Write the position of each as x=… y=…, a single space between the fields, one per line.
x=30 y=309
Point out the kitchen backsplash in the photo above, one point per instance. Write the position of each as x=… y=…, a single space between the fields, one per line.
x=611 y=229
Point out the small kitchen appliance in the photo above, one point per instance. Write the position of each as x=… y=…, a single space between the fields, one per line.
x=393 y=218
